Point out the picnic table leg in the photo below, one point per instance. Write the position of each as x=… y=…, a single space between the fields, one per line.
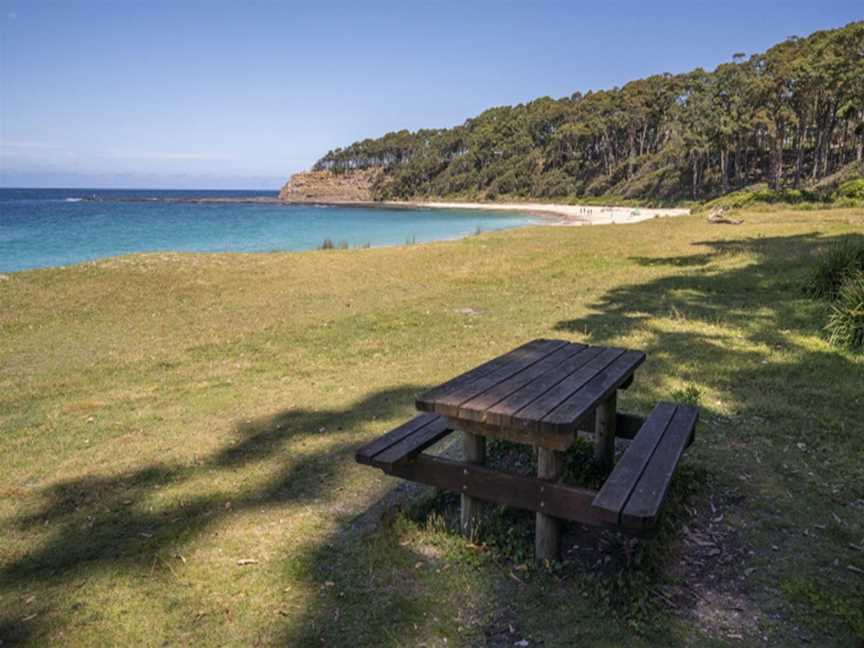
x=550 y=467
x=474 y=451
x=604 y=431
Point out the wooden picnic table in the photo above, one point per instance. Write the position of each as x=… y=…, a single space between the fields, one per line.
x=542 y=394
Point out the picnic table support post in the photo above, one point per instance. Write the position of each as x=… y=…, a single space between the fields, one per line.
x=550 y=467
x=474 y=450
x=604 y=431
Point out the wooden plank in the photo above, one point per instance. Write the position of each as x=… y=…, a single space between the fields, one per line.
x=475 y=409
x=604 y=431
x=641 y=510
x=555 y=440
x=613 y=496
x=449 y=404
x=446 y=398
x=471 y=509
x=550 y=467
x=626 y=427
x=364 y=455
x=528 y=493
x=531 y=415
x=503 y=412
x=412 y=444
x=473 y=374
x=582 y=402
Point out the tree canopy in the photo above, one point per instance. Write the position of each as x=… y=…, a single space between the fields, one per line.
x=788 y=117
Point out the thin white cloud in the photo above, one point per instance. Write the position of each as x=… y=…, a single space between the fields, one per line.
x=123 y=154
x=26 y=145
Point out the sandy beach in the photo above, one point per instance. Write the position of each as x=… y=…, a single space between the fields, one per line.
x=560 y=214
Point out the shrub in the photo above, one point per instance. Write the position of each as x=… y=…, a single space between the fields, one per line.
x=851 y=189
x=833 y=266
x=326 y=245
x=846 y=321
x=690 y=395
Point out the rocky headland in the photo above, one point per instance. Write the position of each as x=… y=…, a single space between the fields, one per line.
x=329 y=187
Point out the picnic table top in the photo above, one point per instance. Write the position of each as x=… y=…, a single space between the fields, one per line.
x=547 y=386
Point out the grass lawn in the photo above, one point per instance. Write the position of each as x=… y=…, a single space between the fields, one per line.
x=165 y=417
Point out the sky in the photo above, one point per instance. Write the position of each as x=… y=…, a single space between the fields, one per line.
x=240 y=95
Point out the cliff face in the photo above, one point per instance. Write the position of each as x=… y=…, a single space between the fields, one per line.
x=326 y=186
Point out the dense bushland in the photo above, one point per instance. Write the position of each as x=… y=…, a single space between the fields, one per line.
x=792 y=118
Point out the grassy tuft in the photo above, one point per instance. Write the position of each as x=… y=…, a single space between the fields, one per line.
x=833 y=266
x=846 y=321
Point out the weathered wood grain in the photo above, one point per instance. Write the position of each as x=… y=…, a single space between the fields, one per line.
x=550 y=467
x=532 y=414
x=446 y=398
x=619 y=485
x=471 y=508
x=528 y=493
x=476 y=408
x=504 y=412
x=365 y=453
x=582 y=402
x=413 y=444
x=643 y=506
x=604 y=431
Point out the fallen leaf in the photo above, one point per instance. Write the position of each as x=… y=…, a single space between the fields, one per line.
x=247 y=561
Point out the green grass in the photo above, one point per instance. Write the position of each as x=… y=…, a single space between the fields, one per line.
x=846 y=321
x=165 y=416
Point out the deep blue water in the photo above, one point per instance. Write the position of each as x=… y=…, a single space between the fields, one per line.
x=52 y=227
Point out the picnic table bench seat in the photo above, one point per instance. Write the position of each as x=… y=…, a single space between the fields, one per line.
x=545 y=394
x=630 y=499
x=404 y=442
x=633 y=494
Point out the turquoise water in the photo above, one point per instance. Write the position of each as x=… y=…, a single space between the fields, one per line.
x=53 y=227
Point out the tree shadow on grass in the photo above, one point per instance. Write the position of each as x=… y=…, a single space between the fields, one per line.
x=377 y=596
x=736 y=323
x=99 y=523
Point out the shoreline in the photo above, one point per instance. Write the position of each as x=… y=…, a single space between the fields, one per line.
x=572 y=215
x=551 y=213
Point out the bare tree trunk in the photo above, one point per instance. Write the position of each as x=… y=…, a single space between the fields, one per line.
x=799 y=150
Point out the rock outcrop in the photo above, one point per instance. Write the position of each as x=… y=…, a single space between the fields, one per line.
x=326 y=186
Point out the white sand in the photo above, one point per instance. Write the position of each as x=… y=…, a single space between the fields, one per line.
x=563 y=214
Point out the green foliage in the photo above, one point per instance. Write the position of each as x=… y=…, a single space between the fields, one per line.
x=852 y=189
x=846 y=321
x=833 y=266
x=580 y=467
x=787 y=118
x=690 y=395
x=327 y=245
x=764 y=196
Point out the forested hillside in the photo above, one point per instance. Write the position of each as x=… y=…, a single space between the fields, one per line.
x=789 y=117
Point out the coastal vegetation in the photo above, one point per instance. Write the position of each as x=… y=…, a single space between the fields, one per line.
x=838 y=277
x=789 y=122
x=177 y=435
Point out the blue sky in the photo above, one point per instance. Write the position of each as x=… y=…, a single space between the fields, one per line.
x=242 y=94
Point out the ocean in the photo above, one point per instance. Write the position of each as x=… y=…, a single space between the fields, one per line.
x=54 y=227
